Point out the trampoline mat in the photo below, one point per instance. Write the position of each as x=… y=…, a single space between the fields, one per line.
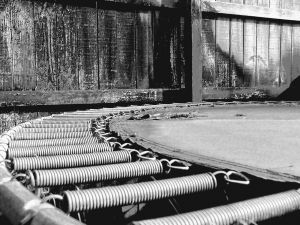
x=262 y=140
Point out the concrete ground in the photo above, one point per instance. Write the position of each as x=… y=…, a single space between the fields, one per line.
x=262 y=139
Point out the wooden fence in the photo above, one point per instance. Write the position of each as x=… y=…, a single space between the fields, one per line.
x=73 y=52
x=250 y=46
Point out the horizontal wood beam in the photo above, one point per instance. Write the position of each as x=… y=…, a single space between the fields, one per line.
x=250 y=11
x=152 y=3
x=263 y=92
x=113 y=96
x=124 y=4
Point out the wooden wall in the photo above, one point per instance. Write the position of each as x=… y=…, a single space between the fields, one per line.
x=247 y=53
x=85 y=45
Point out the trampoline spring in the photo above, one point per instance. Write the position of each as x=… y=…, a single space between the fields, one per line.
x=70 y=119
x=44 y=125
x=57 y=150
x=52 y=142
x=39 y=136
x=67 y=161
x=60 y=177
x=127 y=194
x=62 y=122
x=249 y=211
x=54 y=130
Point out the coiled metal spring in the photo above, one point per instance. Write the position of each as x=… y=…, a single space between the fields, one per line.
x=44 y=125
x=67 y=161
x=38 y=136
x=54 y=130
x=60 y=122
x=59 y=177
x=250 y=211
x=96 y=198
x=58 y=150
x=68 y=119
x=52 y=142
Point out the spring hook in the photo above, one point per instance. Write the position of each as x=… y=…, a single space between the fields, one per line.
x=227 y=176
x=170 y=164
x=147 y=155
x=119 y=146
x=52 y=197
x=106 y=139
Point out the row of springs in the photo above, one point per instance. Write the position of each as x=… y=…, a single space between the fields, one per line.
x=44 y=160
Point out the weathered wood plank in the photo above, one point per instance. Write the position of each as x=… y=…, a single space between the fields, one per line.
x=143 y=24
x=296 y=45
x=5 y=50
x=115 y=96
x=194 y=80
x=262 y=55
x=162 y=55
x=222 y=51
x=253 y=11
x=107 y=41
x=208 y=33
x=125 y=50
x=87 y=41
x=249 y=93
x=66 y=48
x=249 y=50
x=176 y=49
x=274 y=77
x=151 y=50
x=22 y=44
x=236 y=50
x=286 y=47
x=45 y=69
x=149 y=3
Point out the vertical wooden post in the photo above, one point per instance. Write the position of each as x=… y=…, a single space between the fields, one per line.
x=194 y=51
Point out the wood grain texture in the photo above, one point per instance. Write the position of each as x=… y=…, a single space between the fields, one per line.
x=87 y=42
x=115 y=96
x=252 y=11
x=107 y=32
x=209 y=51
x=22 y=44
x=5 y=50
x=274 y=75
x=163 y=26
x=296 y=45
x=66 y=48
x=222 y=51
x=125 y=50
x=249 y=50
x=236 y=50
x=262 y=52
x=196 y=58
x=45 y=69
x=286 y=61
x=143 y=24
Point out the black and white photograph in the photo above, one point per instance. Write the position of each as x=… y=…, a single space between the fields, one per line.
x=149 y=112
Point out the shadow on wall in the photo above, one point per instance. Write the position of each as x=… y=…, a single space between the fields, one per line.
x=224 y=70
x=292 y=93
